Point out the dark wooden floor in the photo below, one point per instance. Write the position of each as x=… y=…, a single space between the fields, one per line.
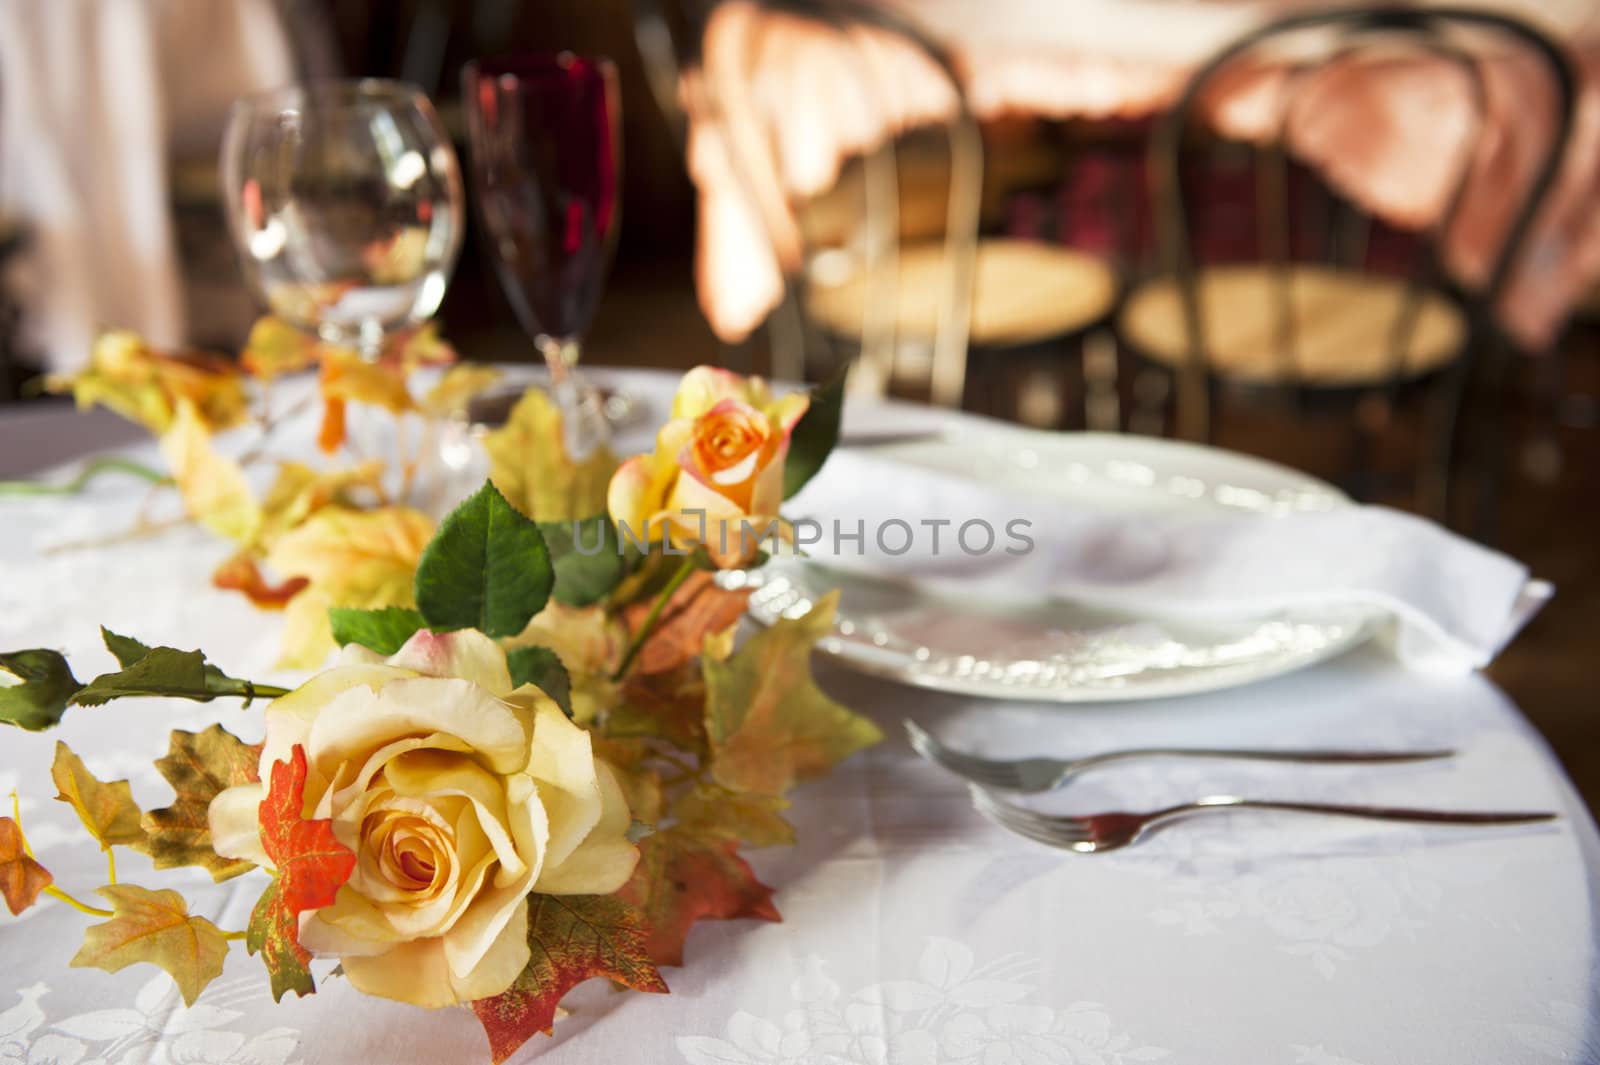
x=1549 y=517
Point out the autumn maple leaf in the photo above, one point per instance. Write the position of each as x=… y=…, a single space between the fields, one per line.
x=571 y=938
x=21 y=878
x=683 y=877
x=696 y=610
x=310 y=867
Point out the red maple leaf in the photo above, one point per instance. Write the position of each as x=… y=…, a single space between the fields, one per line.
x=683 y=878
x=311 y=865
x=571 y=938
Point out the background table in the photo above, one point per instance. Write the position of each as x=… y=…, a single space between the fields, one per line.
x=914 y=932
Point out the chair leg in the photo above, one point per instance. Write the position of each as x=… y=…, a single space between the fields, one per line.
x=1435 y=489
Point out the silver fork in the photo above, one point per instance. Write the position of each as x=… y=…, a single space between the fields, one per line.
x=1048 y=774
x=1109 y=831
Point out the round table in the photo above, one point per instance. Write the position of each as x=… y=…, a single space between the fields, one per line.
x=914 y=931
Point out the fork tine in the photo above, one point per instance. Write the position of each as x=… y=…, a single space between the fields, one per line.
x=991 y=773
x=1030 y=823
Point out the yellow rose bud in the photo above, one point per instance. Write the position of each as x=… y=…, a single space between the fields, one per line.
x=715 y=478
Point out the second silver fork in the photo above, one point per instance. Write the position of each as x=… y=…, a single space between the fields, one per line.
x=1032 y=775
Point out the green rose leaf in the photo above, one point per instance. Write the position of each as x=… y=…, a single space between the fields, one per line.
x=487 y=568
x=43 y=696
x=126 y=649
x=588 y=558
x=165 y=671
x=384 y=631
x=814 y=436
x=540 y=667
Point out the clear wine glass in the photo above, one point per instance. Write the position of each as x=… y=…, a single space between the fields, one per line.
x=546 y=161
x=345 y=201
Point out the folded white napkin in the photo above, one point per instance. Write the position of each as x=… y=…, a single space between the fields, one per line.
x=1455 y=604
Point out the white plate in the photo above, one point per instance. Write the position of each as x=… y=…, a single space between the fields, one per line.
x=1057 y=651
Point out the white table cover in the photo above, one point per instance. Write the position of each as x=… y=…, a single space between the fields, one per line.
x=914 y=933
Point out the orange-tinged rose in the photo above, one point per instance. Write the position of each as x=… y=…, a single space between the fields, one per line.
x=715 y=477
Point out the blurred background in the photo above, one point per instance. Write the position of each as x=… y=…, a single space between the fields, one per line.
x=1365 y=244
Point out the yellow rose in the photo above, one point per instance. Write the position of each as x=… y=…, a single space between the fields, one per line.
x=715 y=477
x=459 y=797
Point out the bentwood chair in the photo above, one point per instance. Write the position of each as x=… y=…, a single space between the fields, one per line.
x=1314 y=318
x=885 y=266
x=712 y=92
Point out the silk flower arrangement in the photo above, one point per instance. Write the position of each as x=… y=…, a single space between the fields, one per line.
x=539 y=766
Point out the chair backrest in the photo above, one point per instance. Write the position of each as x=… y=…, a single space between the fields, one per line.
x=752 y=143
x=1305 y=45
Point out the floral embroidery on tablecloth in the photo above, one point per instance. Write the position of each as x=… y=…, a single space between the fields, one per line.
x=952 y=1012
x=156 y=1030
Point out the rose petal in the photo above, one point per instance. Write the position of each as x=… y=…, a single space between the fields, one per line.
x=628 y=496
x=234 y=817
x=604 y=861
x=704 y=386
x=563 y=766
x=475 y=931
x=467 y=654
x=355 y=724
x=289 y=717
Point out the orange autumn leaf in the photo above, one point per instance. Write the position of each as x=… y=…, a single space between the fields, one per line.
x=682 y=878
x=21 y=878
x=309 y=864
x=348 y=378
x=666 y=705
x=698 y=609
x=145 y=385
x=571 y=938
x=241 y=574
x=331 y=432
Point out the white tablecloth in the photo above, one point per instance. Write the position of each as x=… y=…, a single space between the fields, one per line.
x=914 y=933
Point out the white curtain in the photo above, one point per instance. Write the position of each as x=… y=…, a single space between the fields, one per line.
x=95 y=96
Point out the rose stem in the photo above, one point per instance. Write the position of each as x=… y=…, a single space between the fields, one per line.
x=654 y=616
x=85 y=475
x=53 y=891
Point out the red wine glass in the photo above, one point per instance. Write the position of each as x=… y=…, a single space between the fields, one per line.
x=546 y=159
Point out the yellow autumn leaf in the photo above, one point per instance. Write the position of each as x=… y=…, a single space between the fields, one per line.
x=299 y=491
x=199 y=766
x=107 y=810
x=146 y=386
x=215 y=492
x=528 y=462
x=352 y=558
x=347 y=376
x=457 y=388
x=275 y=347
x=422 y=346
x=155 y=927
x=769 y=725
